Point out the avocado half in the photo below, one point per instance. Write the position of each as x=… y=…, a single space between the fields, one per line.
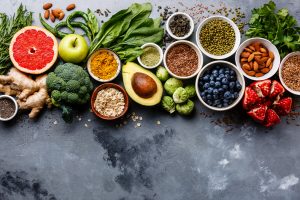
x=141 y=84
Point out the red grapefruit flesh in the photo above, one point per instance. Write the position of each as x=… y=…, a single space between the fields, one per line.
x=33 y=50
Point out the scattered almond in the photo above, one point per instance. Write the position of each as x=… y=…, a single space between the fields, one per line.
x=70 y=7
x=47 y=6
x=61 y=15
x=52 y=17
x=47 y=14
x=56 y=12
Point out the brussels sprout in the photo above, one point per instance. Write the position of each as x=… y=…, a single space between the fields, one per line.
x=185 y=108
x=168 y=104
x=191 y=91
x=172 y=84
x=180 y=95
x=162 y=74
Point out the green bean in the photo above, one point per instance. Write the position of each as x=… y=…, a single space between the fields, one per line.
x=75 y=24
x=73 y=15
x=55 y=32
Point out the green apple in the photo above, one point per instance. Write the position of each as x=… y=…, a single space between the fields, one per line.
x=73 y=48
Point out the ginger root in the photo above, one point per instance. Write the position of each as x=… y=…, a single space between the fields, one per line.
x=32 y=94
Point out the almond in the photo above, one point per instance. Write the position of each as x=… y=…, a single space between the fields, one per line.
x=246 y=67
x=248 y=50
x=257 y=58
x=261 y=66
x=244 y=59
x=245 y=54
x=257 y=53
x=251 y=65
x=70 y=7
x=47 y=6
x=251 y=47
x=259 y=74
x=268 y=63
x=271 y=55
x=61 y=15
x=250 y=58
x=271 y=65
x=265 y=70
x=251 y=73
x=257 y=46
x=52 y=17
x=265 y=54
x=255 y=66
x=264 y=59
x=56 y=12
x=47 y=14
x=263 y=50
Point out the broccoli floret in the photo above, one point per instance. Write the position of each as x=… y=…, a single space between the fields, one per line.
x=69 y=84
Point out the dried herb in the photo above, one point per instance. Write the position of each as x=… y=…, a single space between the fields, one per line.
x=180 y=26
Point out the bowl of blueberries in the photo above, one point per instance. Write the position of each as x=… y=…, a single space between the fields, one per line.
x=220 y=85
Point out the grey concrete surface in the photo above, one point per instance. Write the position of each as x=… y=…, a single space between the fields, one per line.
x=205 y=156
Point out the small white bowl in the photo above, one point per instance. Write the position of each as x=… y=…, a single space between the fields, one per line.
x=280 y=72
x=16 y=107
x=115 y=56
x=195 y=48
x=270 y=47
x=170 y=19
x=161 y=54
x=240 y=78
x=237 y=37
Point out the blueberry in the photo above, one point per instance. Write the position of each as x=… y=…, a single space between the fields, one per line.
x=218 y=79
x=209 y=96
x=215 y=96
x=217 y=101
x=225 y=104
x=217 y=84
x=219 y=105
x=225 y=81
x=225 y=87
x=232 y=72
x=215 y=91
x=238 y=86
x=225 y=100
x=227 y=71
x=232 y=85
x=215 y=71
x=232 y=78
x=221 y=76
x=227 y=95
x=206 y=86
x=236 y=95
x=221 y=71
x=202 y=94
x=217 y=67
x=210 y=90
x=227 y=76
x=212 y=83
x=221 y=90
x=209 y=102
x=206 y=78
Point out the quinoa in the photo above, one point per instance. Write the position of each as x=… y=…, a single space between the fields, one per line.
x=291 y=72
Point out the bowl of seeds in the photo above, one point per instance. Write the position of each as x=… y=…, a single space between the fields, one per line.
x=218 y=37
x=8 y=108
x=152 y=56
x=180 y=26
x=109 y=101
x=289 y=72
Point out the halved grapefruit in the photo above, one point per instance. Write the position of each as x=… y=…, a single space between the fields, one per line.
x=33 y=50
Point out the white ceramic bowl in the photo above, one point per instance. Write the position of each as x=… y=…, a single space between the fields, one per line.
x=240 y=78
x=270 y=47
x=280 y=72
x=161 y=54
x=195 y=48
x=170 y=19
x=115 y=56
x=237 y=37
x=16 y=107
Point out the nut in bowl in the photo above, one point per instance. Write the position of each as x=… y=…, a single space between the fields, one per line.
x=180 y=26
x=289 y=72
x=183 y=59
x=218 y=37
x=151 y=57
x=220 y=85
x=258 y=59
x=109 y=101
x=104 y=65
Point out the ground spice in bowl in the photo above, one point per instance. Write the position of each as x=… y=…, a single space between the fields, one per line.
x=182 y=60
x=150 y=56
x=7 y=108
x=291 y=73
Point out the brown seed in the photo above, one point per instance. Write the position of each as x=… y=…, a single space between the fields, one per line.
x=244 y=59
x=52 y=17
x=257 y=53
x=47 y=14
x=248 y=50
x=262 y=66
x=246 y=67
x=250 y=58
x=271 y=66
x=245 y=54
x=264 y=54
x=251 y=47
x=61 y=15
x=250 y=73
x=263 y=50
x=259 y=74
x=271 y=55
x=257 y=58
x=47 y=6
x=255 y=66
x=268 y=63
x=70 y=7
x=263 y=59
x=265 y=70
x=251 y=65
x=56 y=12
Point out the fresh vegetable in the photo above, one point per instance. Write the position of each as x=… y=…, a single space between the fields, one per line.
x=127 y=30
x=168 y=104
x=32 y=94
x=69 y=85
x=8 y=27
x=264 y=102
x=172 y=84
x=185 y=108
x=278 y=26
x=180 y=95
x=191 y=91
x=162 y=74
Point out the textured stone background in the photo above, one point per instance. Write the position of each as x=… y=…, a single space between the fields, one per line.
x=206 y=156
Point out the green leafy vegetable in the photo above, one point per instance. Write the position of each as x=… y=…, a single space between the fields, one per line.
x=8 y=27
x=277 y=26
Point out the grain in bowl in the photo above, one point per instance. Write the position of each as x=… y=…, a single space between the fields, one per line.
x=290 y=72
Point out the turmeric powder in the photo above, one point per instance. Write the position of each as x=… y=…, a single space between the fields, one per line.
x=104 y=65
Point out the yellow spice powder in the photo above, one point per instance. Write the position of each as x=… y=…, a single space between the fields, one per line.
x=104 y=65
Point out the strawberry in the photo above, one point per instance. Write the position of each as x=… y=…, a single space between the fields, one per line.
x=262 y=88
x=250 y=98
x=283 y=106
x=259 y=113
x=276 y=89
x=271 y=118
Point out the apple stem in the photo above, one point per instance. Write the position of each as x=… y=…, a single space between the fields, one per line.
x=74 y=43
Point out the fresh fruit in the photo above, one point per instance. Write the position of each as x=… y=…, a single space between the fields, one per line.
x=283 y=106
x=73 y=48
x=263 y=103
x=33 y=50
x=271 y=118
x=141 y=85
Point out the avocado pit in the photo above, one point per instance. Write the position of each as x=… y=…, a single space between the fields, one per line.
x=143 y=85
